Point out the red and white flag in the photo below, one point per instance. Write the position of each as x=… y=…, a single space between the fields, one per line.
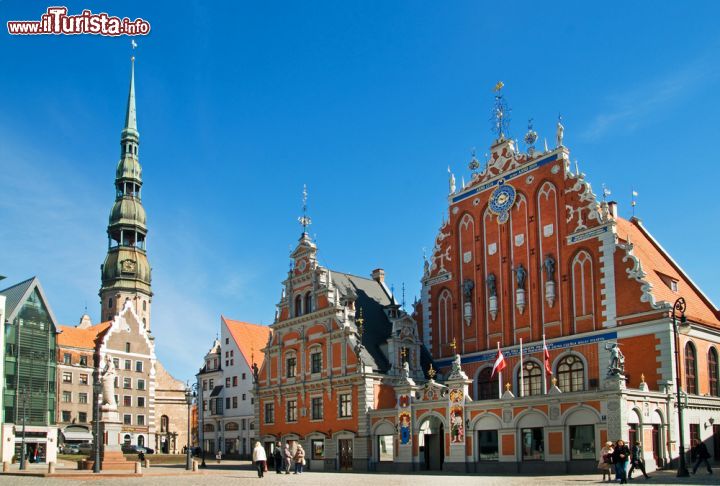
x=499 y=363
x=546 y=353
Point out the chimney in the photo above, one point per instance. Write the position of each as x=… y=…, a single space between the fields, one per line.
x=612 y=206
x=378 y=275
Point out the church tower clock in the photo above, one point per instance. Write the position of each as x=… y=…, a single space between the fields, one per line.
x=126 y=272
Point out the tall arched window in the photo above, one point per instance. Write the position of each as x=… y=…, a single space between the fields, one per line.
x=298 y=305
x=713 y=372
x=487 y=386
x=690 y=369
x=444 y=318
x=141 y=440
x=164 y=423
x=532 y=378
x=308 y=302
x=571 y=374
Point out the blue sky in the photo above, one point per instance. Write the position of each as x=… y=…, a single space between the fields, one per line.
x=367 y=102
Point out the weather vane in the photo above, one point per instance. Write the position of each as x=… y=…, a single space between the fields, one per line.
x=530 y=137
x=500 y=113
x=305 y=220
x=605 y=192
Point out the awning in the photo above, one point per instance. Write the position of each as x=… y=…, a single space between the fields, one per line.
x=76 y=435
x=216 y=391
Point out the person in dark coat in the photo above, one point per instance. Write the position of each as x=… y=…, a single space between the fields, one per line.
x=621 y=455
x=278 y=458
x=701 y=454
x=637 y=460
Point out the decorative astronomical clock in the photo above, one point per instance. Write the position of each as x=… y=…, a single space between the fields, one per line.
x=502 y=200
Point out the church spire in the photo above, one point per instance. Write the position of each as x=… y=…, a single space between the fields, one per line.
x=130 y=114
x=126 y=271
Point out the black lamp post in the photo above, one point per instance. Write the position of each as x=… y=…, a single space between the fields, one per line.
x=97 y=388
x=189 y=396
x=678 y=312
x=201 y=429
x=24 y=398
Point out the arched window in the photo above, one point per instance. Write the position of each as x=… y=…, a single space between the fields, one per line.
x=532 y=378
x=308 y=302
x=487 y=386
x=690 y=370
x=164 y=422
x=141 y=440
x=232 y=426
x=127 y=439
x=571 y=374
x=444 y=318
x=713 y=372
x=144 y=305
x=298 y=305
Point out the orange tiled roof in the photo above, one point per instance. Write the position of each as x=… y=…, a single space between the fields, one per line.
x=655 y=263
x=71 y=336
x=250 y=338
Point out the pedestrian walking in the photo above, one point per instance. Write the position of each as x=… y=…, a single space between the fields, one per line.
x=259 y=459
x=299 y=459
x=605 y=461
x=701 y=454
x=278 y=458
x=288 y=457
x=620 y=457
x=637 y=460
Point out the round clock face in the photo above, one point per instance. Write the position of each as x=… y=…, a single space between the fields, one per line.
x=502 y=199
x=302 y=265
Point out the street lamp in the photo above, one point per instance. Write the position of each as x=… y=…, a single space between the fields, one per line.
x=201 y=424
x=23 y=397
x=97 y=388
x=678 y=312
x=189 y=396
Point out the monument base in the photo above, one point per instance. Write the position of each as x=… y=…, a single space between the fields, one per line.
x=111 y=456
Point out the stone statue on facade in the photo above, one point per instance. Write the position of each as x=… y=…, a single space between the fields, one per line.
x=452 y=181
x=549 y=264
x=520 y=276
x=468 y=286
x=255 y=372
x=616 y=365
x=406 y=369
x=107 y=376
x=492 y=288
x=560 y=132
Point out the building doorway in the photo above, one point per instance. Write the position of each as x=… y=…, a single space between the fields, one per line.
x=431 y=441
x=346 y=454
x=716 y=442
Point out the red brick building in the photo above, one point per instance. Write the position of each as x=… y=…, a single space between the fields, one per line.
x=338 y=345
x=528 y=250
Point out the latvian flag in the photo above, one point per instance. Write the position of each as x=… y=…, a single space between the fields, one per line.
x=548 y=367
x=499 y=363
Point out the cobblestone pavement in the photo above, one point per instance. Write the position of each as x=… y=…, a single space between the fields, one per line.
x=237 y=473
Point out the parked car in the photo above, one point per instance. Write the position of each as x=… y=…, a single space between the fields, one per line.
x=134 y=449
x=86 y=448
x=71 y=449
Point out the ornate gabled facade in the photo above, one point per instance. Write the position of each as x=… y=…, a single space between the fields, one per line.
x=529 y=256
x=339 y=345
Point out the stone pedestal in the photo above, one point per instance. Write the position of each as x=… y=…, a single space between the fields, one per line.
x=111 y=456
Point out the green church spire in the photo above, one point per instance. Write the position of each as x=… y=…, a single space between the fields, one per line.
x=126 y=271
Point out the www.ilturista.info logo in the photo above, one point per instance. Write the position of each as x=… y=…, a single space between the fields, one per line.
x=57 y=21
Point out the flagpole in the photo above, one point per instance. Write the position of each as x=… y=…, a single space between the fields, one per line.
x=499 y=376
x=522 y=379
x=545 y=364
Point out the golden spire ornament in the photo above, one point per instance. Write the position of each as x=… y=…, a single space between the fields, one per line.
x=432 y=372
x=453 y=345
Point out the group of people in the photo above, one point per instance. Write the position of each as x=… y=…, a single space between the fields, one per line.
x=615 y=457
x=285 y=458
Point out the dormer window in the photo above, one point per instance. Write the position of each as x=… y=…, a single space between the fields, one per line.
x=672 y=283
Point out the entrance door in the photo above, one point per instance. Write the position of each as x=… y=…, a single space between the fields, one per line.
x=656 y=445
x=716 y=442
x=346 y=454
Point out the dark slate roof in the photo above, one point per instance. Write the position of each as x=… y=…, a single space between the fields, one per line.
x=216 y=391
x=14 y=295
x=373 y=299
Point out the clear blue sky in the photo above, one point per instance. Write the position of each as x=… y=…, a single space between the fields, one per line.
x=367 y=102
